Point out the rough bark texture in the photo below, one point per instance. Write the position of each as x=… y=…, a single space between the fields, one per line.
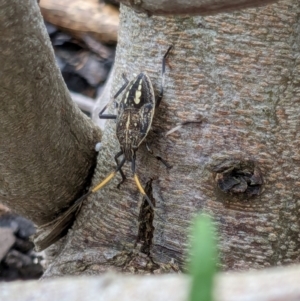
x=191 y=7
x=240 y=72
x=278 y=284
x=47 y=144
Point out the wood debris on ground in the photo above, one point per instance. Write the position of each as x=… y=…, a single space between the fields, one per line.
x=18 y=260
x=83 y=53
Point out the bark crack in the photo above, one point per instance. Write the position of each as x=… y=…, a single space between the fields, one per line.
x=146 y=228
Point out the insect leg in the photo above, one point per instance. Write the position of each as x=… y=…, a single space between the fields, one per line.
x=141 y=189
x=106 y=116
x=101 y=184
x=164 y=162
x=121 y=171
x=111 y=116
x=180 y=125
x=123 y=87
x=161 y=93
x=109 y=177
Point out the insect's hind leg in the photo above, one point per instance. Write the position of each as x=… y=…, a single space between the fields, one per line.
x=161 y=92
x=181 y=124
x=120 y=170
x=109 y=177
x=164 y=162
x=141 y=189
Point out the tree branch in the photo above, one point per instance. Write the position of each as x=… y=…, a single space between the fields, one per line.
x=47 y=145
x=278 y=284
x=192 y=7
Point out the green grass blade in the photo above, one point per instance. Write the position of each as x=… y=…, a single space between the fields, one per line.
x=203 y=259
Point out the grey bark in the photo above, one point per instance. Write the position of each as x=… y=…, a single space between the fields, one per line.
x=47 y=145
x=191 y=7
x=278 y=284
x=237 y=72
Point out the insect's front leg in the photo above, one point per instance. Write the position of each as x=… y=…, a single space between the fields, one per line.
x=123 y=87
x=112 y=116
x=161 y=92
x=106 y=116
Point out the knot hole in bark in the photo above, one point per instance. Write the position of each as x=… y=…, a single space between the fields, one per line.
x=235 y=176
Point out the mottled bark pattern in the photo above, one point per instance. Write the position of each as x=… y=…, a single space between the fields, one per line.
x=240 y=72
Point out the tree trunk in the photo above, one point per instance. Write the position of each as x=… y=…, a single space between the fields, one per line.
x=237 y=72
x=47 y=145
